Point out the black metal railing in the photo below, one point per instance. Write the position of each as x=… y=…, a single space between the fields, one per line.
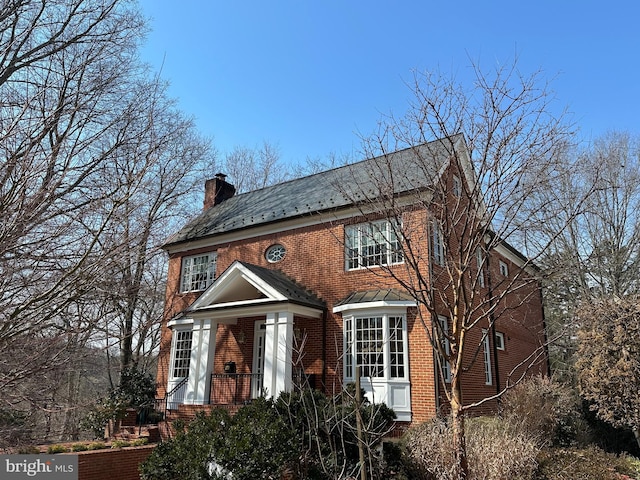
x=173 y=398
x=235 y=388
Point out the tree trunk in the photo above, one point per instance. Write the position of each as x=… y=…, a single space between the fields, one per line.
x=458 y=429
x=636 y=433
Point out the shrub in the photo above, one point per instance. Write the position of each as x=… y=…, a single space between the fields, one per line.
x=96 y=446
x=258 y=443
x=590 y=463
x=79 y=447
x=57 y=449
x=137 y=390
x=327 y=431
x=495 y=451
x=120 y=444
x=138 y=442
x=187 y=455
x=29 y=450
x=547 y=411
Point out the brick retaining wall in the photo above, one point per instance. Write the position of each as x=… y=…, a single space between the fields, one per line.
x=112 y=464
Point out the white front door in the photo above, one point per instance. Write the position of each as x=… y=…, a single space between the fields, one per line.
x=258 y=358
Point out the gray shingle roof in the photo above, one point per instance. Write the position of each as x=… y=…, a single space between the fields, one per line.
x=325 y=191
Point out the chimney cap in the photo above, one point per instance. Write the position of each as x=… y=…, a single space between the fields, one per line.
x=221 y=175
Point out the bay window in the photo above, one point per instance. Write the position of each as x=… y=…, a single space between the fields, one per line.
x=377 y=344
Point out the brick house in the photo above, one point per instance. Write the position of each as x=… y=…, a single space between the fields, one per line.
x=284 y=286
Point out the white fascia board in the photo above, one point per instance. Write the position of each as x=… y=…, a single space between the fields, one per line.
x=231 y=314
x=400 y=304
x=179 y=322
x=518 y=261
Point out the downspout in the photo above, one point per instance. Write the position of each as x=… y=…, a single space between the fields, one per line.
x=324 y=349
x=436 y=359
x=544 y=332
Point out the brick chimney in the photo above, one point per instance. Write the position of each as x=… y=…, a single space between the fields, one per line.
x=217 y=190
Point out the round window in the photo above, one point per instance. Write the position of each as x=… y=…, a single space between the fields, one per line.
x=275 y=253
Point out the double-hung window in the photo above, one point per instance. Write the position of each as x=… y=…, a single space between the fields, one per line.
x=480 y=261
x=377 y=344
x=488 y=375
x=371 y=244
x=437 y=243
x=444 y=363
x=181 y=353
x=198 y=272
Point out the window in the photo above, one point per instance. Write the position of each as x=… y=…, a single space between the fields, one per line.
x=198 y=272
x=370 y=244
x=480 y=261
x=181 y=353
x=275 y=253
x=446 y=366
x=500 y=340
x=437 y=243
x=504 y=269
x=457 y=186
x=488 y=379
x=376 y=344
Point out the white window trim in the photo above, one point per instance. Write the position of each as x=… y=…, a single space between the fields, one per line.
x=446 y=366
x=350 y=356
x=504 y=268
x=437 y=244
x=356 y=239
x=488 y=373
x=500 y=343
x=457 y=186
x=480 y=260
x=186 y=281
x=174 y=345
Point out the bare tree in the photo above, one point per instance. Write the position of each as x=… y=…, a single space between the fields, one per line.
x=474 y=158
x=159 y=171
x=96 y=162
x=598 y=254
x=254 y=168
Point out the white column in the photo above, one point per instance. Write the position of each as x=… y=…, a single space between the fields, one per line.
x=284 y=381
x=203 y=346
x=278 y=347
x=270 y=357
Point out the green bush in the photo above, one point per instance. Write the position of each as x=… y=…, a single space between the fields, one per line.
x=57 y=449
x=138 y=442
x=303 y=435
x=136 y=390
x=29 y=450
x=79 y=447
x=187 y=455
x=327 y=431
x=120 y=444
x=96 y=446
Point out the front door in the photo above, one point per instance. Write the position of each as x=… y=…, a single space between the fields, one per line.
x=258 y=358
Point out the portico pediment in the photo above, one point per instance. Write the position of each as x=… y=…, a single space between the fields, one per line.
x=245 y=289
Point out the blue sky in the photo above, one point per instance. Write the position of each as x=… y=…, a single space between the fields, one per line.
x=309 y=76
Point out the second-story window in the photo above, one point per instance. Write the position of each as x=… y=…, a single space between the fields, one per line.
x=198 y=272
x=371 y=244
x=437 y=243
